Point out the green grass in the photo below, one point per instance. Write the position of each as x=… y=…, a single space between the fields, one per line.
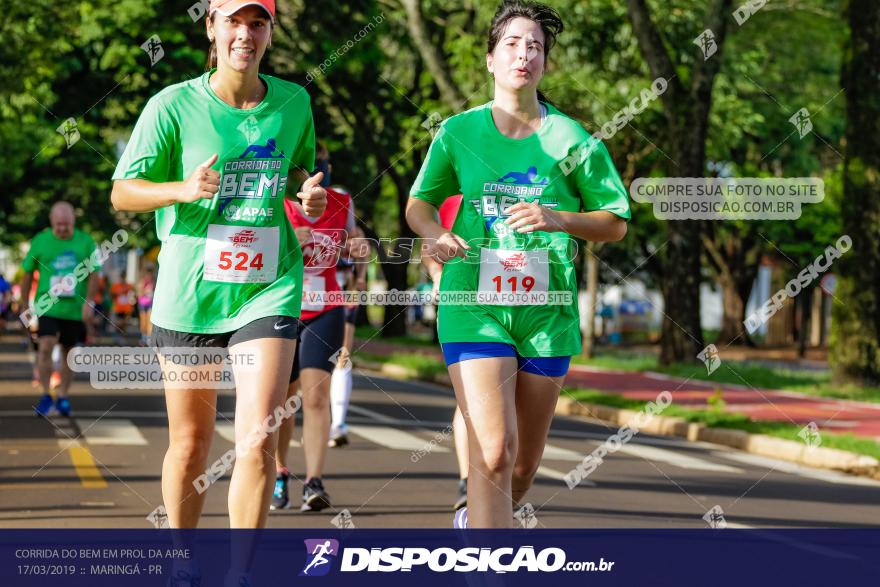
x=372 y=333
x=716 y=417
x=808 y=382
x=424 y=366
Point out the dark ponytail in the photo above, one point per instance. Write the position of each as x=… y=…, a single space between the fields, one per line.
x=212 y=57
x=543 y=98
x=212 y=52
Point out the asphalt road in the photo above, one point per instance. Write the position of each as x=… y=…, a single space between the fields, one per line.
x=101 y=468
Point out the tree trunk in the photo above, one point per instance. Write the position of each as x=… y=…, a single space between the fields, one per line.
x=681 y=338
x=432 y=56
x=734 y=257
x=687 y=111
x=394 y=320
x=592 y=273
x=733 y=311
x=806 y=310
x=396 y=265
x=681 y=334
x=855 y=340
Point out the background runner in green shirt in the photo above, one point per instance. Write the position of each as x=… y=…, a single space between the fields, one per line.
x=66 y=260
x=214 y=157
x=56 y=259
x=531 y=179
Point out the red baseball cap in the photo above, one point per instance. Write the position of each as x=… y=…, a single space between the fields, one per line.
x=229 y=7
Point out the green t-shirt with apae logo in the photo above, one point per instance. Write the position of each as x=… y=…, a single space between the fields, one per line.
x=560 y=166
x=232 y=259
x=57 y=260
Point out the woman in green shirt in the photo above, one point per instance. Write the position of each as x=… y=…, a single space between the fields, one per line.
x=212 y=156
x=532 y=178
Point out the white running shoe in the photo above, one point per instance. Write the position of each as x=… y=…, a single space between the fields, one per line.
x=459 y=521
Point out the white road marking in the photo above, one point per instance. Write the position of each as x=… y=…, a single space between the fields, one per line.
x=677 y=459
x=560 y=476
x=799 y=470
x=226 y=430
x=373 y=414
x=111 y=431
x=397 y=439
x=557 y=453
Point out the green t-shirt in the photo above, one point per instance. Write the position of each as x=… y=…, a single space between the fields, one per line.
x=560 y=166
x=233 y=259
x=64 y=267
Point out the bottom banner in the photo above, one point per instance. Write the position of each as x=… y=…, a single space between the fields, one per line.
x=248 y=558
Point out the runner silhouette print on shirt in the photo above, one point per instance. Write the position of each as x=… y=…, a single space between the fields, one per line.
x=261 y=152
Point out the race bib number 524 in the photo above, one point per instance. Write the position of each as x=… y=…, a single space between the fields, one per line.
x=241 y=254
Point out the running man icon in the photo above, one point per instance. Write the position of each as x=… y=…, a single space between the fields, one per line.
x=262 y=152
x=530 y=177
x=318 y=561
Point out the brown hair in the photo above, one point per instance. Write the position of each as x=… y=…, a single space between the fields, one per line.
x=546 y=17
x=212 y=51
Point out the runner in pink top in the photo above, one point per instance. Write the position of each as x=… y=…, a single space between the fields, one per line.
x=320 y=341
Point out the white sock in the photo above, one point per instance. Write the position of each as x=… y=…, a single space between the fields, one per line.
x=340 y=394
x=56 y=358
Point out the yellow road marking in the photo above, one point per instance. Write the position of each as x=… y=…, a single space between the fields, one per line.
x=89 y=475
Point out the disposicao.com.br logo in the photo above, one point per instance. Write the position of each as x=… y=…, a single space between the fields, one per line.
x=321 y=553
x=441 y=560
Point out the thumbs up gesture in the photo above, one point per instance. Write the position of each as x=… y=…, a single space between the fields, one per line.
x=313 y=196
x=203 y=183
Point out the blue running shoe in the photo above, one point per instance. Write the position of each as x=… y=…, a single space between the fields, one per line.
x=459 y=522
x=63 y=406
x=44 y=408
x=280 y=499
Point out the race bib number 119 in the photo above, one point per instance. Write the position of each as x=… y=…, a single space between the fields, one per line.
x=512 y=277
x=241 y=254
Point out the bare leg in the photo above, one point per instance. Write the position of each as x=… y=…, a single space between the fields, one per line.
x=459 y=434
x=348 y=340
x=285 y=433
x=66 y=374
x=44 y=360
x=536 y=397
x=485 y=389
x=258 y=393
x=191 y=414
x=316 y=418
